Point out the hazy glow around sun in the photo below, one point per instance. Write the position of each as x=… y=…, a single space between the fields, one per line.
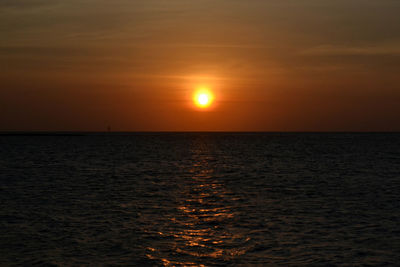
x=203 y=98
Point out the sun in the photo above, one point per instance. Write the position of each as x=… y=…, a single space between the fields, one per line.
x=203 y=98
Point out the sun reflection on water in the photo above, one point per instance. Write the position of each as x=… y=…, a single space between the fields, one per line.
x=202 y=225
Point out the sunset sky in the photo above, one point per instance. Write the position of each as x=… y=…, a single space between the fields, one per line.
x=276 y=65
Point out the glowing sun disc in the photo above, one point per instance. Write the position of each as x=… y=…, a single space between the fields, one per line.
x=203 y=98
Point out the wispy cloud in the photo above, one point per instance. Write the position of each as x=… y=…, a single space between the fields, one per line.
x=392 y=49
x=26 y=3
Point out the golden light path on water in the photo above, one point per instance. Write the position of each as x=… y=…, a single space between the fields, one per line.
x=199 y=228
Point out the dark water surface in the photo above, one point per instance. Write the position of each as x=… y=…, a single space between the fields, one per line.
x=200 y=199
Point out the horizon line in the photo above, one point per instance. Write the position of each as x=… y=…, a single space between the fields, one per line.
x=74 y=132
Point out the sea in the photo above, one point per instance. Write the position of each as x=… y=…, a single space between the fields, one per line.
x=200 y=199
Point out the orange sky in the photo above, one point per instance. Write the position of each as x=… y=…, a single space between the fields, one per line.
x=304 y=65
